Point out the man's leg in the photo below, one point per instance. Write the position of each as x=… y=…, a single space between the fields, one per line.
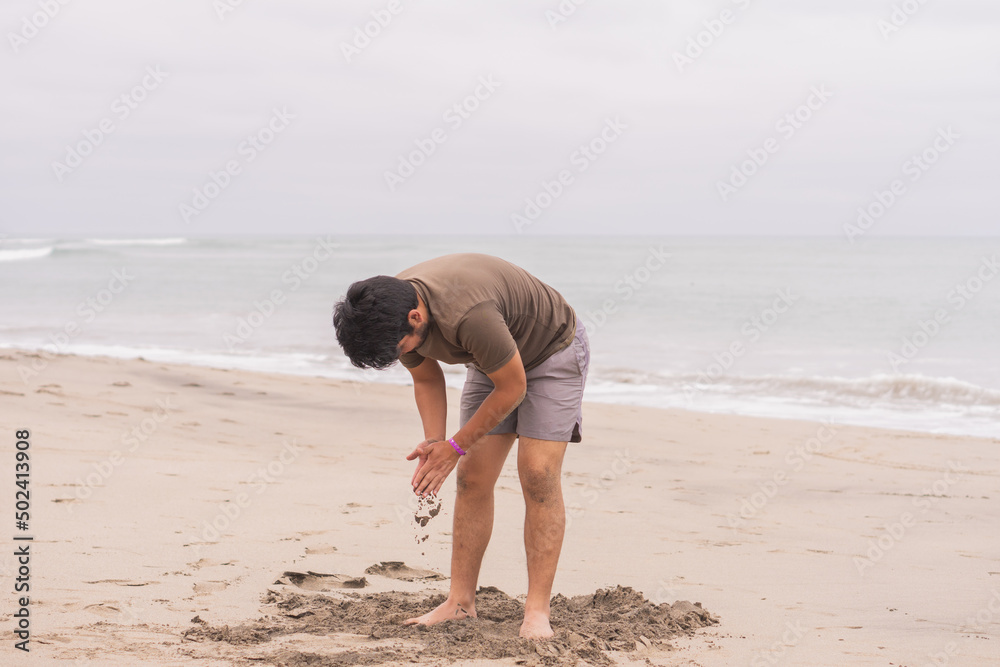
x=539 y=465
x=477 y=476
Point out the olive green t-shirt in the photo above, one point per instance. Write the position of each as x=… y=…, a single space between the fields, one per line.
x=482 y=308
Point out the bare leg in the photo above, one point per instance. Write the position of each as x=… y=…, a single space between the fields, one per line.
x=539 y=465
x=477 y=476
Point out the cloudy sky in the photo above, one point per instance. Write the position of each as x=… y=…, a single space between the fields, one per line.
x=212 y=117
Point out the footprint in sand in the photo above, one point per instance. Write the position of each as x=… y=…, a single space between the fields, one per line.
x=103 y=609
x=122 y=582
x=210 y=587
x=313 y=551
x=317 y=581
x=394 y=569
x=207 y=562
x=121 y=384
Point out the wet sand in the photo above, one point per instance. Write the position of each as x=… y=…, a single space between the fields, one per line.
x=169 y=502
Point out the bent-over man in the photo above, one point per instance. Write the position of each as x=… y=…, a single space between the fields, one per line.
x=527 y=356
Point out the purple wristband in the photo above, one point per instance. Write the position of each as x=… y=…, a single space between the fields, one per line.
x=455 y=445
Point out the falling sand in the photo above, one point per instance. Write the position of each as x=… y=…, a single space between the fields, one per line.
x=589 y=628
x=428 y=507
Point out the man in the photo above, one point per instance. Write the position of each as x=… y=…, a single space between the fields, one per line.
x=527 y=356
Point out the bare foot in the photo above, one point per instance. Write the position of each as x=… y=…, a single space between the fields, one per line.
x=446 y=611
x=536 y=626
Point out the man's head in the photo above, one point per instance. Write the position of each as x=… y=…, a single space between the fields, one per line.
x=380 y=319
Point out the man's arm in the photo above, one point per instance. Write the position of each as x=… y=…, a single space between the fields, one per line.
x=438 y=459
x=432 y=400
x=509 y=388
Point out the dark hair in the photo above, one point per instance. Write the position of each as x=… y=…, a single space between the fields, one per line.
x=373 y=318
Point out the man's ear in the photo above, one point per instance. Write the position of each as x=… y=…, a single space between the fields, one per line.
x=414 y=318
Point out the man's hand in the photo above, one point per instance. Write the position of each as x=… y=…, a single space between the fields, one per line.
x=421 y=452
x=437 y=460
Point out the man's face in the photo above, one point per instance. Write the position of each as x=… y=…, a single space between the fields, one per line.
x=415 y=339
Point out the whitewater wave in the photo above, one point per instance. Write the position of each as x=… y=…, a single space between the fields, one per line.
x=909 y=402
x=21 y=254
x=137 y=242
x=13 y=250
x=903 y=390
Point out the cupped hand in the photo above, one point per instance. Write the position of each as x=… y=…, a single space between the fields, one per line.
x=421 y=453
x=436 y=461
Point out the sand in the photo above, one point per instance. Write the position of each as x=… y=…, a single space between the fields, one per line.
x=589 y=628
x=171 y=502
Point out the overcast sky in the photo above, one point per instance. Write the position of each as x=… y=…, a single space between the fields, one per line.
x=883 y=86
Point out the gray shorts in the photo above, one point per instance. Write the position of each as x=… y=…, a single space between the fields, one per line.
x=552 y=409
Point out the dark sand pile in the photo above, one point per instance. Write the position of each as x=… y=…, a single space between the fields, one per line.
x=586 y=626
x=395 y=569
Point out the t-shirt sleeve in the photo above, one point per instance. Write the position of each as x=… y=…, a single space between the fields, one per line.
x=484 y=334
x=411 y=359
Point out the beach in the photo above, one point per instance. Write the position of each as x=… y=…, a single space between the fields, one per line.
x=784 y=254
x=170 y=499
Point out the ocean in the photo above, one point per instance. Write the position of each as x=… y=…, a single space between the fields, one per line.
x=899 y=333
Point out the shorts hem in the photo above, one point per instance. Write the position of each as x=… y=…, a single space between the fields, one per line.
x=577 y=431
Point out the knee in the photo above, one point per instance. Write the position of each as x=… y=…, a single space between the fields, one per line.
x=541 y=484
x=472 y=483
